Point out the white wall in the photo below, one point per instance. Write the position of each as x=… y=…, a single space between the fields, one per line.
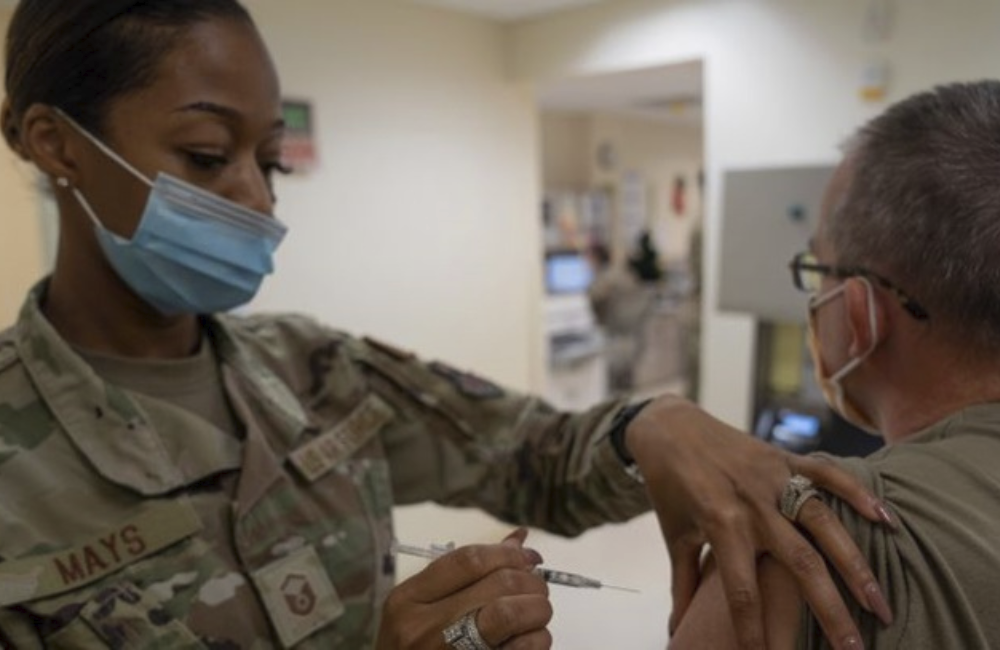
x=21 y=248
x=430 y=165
x=420 y=226
x=565 y=150
x=781 y=81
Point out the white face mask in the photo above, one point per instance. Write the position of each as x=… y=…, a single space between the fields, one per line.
x=833 y=390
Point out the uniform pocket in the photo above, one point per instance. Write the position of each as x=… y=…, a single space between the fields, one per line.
x=95 y=594
x=125 y=617
x=119 y=616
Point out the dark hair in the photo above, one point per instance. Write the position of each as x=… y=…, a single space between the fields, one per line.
x=79 y=55
x=922 y=206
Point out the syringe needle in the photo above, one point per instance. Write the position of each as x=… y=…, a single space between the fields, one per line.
x=628 y=589
x=567 y=579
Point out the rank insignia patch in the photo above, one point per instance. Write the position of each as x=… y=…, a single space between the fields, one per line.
x=298 y=595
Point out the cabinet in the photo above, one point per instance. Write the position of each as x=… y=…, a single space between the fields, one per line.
x=768 y=216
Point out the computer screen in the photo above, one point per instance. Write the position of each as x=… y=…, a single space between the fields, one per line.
x=567 y=273
x=790 y=428
x=793 y=426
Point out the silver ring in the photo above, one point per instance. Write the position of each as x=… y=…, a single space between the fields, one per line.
x=464 y=634
x=797 y=491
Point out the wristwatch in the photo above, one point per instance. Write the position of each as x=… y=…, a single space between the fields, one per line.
x=619 y=424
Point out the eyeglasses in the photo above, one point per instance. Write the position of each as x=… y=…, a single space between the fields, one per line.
x=808 y=273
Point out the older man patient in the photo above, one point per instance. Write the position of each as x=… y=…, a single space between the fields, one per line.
x=904 y=277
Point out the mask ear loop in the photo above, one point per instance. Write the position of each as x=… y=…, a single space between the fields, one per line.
x=85 y=204
x=818 y=301
x=872 y=328
x=64 y=183
x=105 y=149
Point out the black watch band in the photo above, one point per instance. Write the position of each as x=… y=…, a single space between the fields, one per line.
x=619 y=424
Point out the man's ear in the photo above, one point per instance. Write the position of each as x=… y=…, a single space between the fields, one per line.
x=866 y=316
x=46 y=139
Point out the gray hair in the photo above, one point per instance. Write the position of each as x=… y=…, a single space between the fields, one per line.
x=922 y=207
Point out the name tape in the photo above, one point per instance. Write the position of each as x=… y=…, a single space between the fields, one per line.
x=158 y=526
x=316 y=458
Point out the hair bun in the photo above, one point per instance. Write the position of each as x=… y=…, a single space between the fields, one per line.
x=8 y=123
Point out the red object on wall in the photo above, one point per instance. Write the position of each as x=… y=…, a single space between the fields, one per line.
x=678 y=199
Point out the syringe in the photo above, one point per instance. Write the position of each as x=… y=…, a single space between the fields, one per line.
x=551 y=576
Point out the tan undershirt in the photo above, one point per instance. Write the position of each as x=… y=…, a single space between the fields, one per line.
x=193 y=383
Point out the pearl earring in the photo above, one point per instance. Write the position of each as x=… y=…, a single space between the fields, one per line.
x=62 y=182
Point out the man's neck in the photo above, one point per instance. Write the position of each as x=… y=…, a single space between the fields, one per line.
x=933 y=387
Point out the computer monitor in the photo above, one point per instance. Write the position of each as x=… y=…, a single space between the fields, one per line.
x=798 y=430
x=567 y=273
x=806 y=429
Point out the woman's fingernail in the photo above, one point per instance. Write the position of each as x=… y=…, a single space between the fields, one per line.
x=885 y=515
x=878 y=604
x=853 y=643
x=532 y=556
x=516 y=537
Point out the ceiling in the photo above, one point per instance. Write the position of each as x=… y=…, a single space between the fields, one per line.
x=505 y=10
x=668 y=93
x=509 y=10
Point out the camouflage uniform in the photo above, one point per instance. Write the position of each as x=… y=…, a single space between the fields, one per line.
x=127 y=522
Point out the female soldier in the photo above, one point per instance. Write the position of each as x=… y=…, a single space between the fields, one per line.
x=174 y=478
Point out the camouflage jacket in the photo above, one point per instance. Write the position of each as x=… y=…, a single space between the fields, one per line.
x=126 y=522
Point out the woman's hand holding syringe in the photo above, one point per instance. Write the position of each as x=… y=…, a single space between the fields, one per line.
x=550 y=576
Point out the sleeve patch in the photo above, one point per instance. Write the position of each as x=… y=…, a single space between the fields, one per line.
x=467 y=383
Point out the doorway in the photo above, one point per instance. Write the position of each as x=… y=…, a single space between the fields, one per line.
x=621 y=207
x=622 y=160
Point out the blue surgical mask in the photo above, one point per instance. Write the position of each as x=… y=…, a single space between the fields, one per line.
x=193 y=252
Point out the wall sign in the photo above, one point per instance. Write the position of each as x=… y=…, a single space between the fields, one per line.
x=299 y=151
